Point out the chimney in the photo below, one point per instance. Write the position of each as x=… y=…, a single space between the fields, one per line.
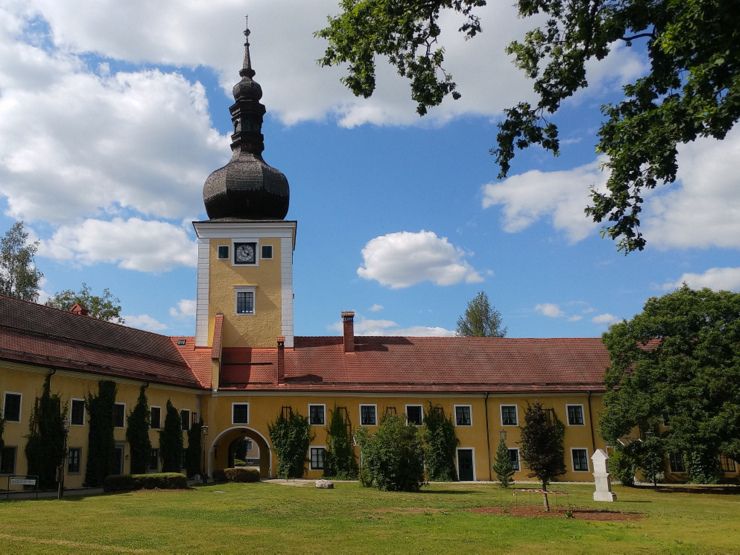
x=77 y=308
x=281 y=359
x=348 y=318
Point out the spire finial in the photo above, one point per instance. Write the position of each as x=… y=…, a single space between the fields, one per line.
x=247 y=70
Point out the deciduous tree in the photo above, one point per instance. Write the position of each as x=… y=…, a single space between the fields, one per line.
x=542 y=445
x=104 y=307
x=481 y=319
x=689 y=89
x=19 y=277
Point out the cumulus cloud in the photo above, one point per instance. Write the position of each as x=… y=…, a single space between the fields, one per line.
x=132 y=244
x=365 y=326
x=718 y=279
x=144 y=322
x=551 y=310
x=185 y=308
x=406 y=258
x=376 y=307
x=605 y=318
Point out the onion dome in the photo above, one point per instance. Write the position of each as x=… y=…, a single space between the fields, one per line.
x=247 y=187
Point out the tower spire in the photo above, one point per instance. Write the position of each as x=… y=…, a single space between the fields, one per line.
x=247 y=70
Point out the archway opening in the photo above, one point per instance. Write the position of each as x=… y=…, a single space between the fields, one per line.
x=241 y=447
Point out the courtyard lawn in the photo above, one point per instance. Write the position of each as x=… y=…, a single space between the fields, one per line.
x=269 y=517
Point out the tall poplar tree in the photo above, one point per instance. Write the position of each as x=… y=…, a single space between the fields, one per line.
x=137 y=434
x=101 y=443
x=45 y=448
x=170 y=440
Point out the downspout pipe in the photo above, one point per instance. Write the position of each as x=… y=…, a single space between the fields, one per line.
x=488 y=439
x=591 y=424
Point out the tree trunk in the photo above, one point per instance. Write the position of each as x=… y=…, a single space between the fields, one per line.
x=544 y=497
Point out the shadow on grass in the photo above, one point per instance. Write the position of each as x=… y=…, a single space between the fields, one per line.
x=447 y=492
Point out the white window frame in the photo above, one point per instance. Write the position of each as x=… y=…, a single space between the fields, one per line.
x=124 y=416
x=309 y=416
x=516 y=413
x=406 y=412
x=518 y=458
x=375 y=406
x=573 y=461
x=84 y=411
x=257 y=252
x=233 y=420
x=245 y=289
x=567 y=414
x=470 y=408
x=159 y=427
x=310 y=461
x=189 y=420
x=20 y=405
x=457 y=462
x=272 y=252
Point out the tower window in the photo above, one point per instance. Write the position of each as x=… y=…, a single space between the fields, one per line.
x=267 y=251
x=245 y=300
x=223 y=252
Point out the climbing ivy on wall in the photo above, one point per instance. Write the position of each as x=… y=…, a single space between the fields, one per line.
x=45 y=448
x=290 y=435
x=340 y=459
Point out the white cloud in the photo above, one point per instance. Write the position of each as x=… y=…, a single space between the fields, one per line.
x=133 y=244
x=185 y=309
x=718 y=279
x=376 y=307
x=550 y=310
x=406 y=258
x=605 y=318
x=560 y=196
x=365 y=326
x=144 y=322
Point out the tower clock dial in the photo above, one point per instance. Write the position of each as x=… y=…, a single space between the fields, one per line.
x=245 y=253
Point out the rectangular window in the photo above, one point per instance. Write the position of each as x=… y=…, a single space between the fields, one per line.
x=119 y=415
x=223 y=252
x=267 y=251
x=575 y=415
x=508 y=415
x=155 y=416
x=676 y=462
x=185 y=419
x=316 y=415
x=12 y=407
x=514 y=458
x=726 y=464
x=463 y=415
x=77 y=413
x=245 y=301
x=194 y=418
x=7 y=460
x=414 y=414
x=240 y=413
x=73 y=460
x=580 y=459
x=317 y=458
x=154 y=459
x=368 y=415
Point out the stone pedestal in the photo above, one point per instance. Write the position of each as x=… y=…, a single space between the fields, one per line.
x=601 y=477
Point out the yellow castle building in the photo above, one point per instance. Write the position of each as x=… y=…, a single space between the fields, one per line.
x=245 y=365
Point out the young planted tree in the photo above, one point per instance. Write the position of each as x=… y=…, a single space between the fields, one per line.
x=290 y=435
x=502 y=465
x=101 y=444
x=137 y=434
x=194 y=450
x=439 y=442
x=481 y=319
x=652 y=458
x=340 y=459
x=542 y=445
x=19 y=277
x=393 y=457
x=45 y=449
x=170 y=440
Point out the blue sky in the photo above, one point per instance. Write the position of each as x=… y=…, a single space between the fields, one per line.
x=112 y=115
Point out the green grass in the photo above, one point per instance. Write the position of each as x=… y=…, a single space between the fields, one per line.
x=268 y=517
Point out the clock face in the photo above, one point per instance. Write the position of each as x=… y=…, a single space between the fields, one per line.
x=244 y=253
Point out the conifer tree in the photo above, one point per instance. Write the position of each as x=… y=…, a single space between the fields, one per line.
x=502 y=465
x=440 y=443
x=45 y=450
x=194 y=450
x=137 y=434
x=542 y=445
x=101 y=443
x=170 y=440
x=340 y=459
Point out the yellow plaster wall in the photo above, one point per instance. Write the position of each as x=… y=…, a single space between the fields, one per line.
x=256 y=330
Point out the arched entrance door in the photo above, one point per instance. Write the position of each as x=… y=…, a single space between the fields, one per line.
x=239 y=446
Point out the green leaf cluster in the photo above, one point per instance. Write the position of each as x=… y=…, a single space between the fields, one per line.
x=502 y=465
x=19 y=277
x=340 y=459
x=675 y=368
x=103 y=307
x=137 y=434
x=101 y=444
x=290 y=435
x=440 y=444
x=45 y=446
x=542 y=443
x=170 y=440
x=392 y=457
x=481 y=319
x=193 y=458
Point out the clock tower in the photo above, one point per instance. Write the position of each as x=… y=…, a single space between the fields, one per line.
x=245 y=248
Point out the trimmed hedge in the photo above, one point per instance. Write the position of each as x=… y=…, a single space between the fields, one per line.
x=129 y=482
x=242 y=474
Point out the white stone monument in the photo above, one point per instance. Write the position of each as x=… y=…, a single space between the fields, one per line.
x=601 y=477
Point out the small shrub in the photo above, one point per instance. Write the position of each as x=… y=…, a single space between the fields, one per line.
x=242 y=474
x=129 y=482
x=502 y=465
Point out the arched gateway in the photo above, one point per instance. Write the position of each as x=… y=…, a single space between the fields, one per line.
x=221 y=453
